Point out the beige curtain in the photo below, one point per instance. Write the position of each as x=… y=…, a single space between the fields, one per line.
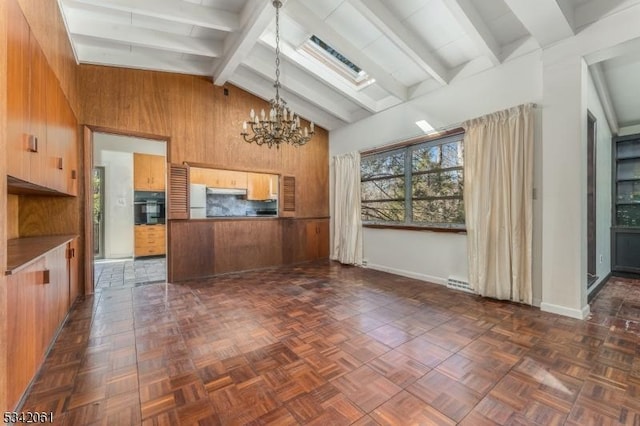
x=498 y=186
x=347 y=223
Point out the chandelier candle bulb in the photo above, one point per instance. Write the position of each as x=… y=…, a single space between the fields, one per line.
x=282 y=125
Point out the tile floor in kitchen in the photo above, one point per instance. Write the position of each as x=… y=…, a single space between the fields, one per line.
x=111 y=273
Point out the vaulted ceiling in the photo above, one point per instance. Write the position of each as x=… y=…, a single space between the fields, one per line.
x=407 y=48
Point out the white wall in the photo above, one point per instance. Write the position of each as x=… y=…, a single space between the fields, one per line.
x=435 y=256
x=603 y=184
x=115 y=154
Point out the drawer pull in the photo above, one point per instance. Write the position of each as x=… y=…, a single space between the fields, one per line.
x=46 y=276
x=59 y=163
x=33 y=143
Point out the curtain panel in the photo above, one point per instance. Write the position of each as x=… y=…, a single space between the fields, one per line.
x=498 y=187
x=347 y=221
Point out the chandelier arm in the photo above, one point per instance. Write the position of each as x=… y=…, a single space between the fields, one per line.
x=280 y=124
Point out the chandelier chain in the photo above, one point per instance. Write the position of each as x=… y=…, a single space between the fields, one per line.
x=280 y=124
x=277 y=84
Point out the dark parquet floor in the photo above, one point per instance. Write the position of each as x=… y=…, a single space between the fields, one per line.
x=321 y=344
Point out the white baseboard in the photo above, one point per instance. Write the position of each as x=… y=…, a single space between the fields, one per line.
x=564 y=311
x=408 y=274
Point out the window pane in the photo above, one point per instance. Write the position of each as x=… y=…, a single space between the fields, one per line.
x=381 y=166
x=383 y=189
x=452 y=154
x=438 y=211
x=383 y=211
x=426 y=158
x=444 y=184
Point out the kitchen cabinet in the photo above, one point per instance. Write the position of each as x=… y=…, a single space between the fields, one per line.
x=218 y=178
x=258 y=186
x=305 y=240
x=38 y=301
x=150 y=240
x=625 y=238
x=41 y=127
x=148 y=172
x=274 y=184
x=18 y=79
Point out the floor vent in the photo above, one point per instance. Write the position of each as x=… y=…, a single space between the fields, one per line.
x=456 y=284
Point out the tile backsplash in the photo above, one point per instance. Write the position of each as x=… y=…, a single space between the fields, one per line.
x=235 y=205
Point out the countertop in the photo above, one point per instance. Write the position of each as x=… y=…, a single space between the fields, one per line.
x=22 y=251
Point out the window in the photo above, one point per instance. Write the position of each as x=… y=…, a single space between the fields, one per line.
x=325 y=54
x=416 y=185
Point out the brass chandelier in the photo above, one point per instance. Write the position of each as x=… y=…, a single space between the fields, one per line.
x=280 y=125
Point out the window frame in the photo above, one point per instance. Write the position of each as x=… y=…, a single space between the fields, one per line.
x=409 y=147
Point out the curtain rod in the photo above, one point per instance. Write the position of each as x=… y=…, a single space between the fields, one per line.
x=450 y=130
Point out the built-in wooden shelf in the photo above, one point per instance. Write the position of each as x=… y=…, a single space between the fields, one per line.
x=22 y=251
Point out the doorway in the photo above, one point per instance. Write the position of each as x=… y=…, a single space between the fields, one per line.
x=98 y=212
x=591 y=201
x=112 y=225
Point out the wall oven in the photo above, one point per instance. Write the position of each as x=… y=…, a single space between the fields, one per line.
x=149 y=208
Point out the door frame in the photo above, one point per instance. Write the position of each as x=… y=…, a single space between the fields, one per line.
x=88 y=131
x=100 y=254
x=592 y=203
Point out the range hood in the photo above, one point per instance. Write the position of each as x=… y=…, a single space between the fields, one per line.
x=226 y=191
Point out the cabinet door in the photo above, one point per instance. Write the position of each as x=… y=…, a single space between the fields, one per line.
x=273 y=187
x=317 y=239
x=71 y=151
x=39 y=167
x=74 y=281
x=22 y=356
x=258 y=186
x=18 y=80
x=141 y=172
x=157 y=173
x=56 y=144
x=237 y=180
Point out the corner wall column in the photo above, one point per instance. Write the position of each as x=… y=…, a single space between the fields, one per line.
x=564 y=217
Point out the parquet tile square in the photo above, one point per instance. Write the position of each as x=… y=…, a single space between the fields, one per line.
x=366 y=388
x=424 y=351
x=405 y=408
x=323 y=344
x=446 y=395
x=399 y=368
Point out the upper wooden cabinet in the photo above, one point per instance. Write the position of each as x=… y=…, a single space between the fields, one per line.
x=218 y=178
x=261 y=186
x=258 y=186
x=18 y=80
x=148 y=172
x=41 y=127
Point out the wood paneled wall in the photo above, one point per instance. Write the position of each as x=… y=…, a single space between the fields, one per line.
x=203 y=124
x=3 y=207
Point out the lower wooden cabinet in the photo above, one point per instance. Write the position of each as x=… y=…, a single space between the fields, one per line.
x=150 y=240
x=38 y=298
x=305 y=240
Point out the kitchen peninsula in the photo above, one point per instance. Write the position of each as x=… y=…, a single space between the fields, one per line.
x=242 y=220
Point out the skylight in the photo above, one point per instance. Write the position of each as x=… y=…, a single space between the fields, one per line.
x=336 y=61
x=333 y=52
